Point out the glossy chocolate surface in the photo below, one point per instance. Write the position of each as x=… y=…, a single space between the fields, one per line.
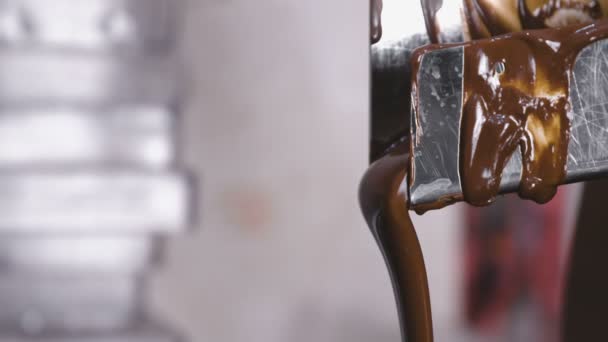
x=487 y=18
x=430 y=9
x=375 y=23
x=516 y=96
x=383 y=199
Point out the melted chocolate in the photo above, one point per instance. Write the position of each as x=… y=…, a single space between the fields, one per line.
x=375 y=21
x=487 y=18
x=477 y=28
x=383 y=198
x=492 y=18
x=430 y=9
x=516 y=96
x=545 y=13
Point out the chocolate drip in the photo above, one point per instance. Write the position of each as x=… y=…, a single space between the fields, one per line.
x=375 y=21
x=430 y=9
x=477 y=28
x=383 y=198
x=487 y=18
x=516 y=96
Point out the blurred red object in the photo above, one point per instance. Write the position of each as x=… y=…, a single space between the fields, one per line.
x=512 y=260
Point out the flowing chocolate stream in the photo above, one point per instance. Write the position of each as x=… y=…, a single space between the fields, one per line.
x=383 y=199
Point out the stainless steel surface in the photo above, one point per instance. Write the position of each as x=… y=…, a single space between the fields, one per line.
x=588 y=148
x=95 y=254
x=436 y=127
x=390 y=71
x=404 y=30
x=135 y=135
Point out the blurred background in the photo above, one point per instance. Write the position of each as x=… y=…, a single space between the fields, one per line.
x=225 y=208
